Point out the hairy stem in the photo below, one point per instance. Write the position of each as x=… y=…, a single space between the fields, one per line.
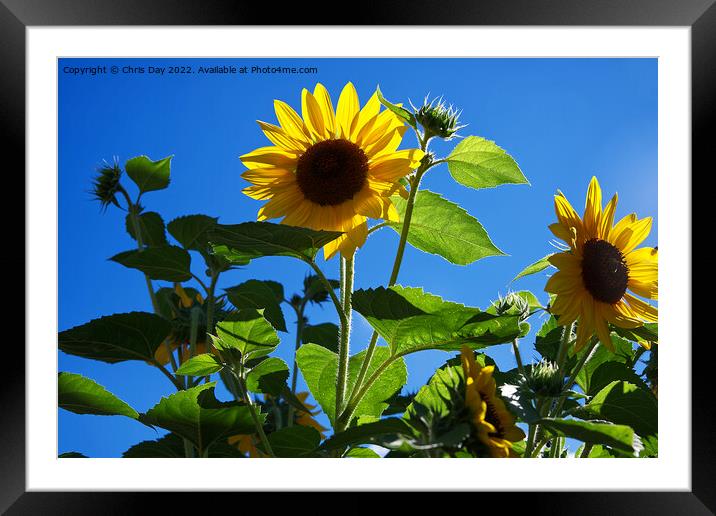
x=294 y=378
x=345 y=336
x=252 y=409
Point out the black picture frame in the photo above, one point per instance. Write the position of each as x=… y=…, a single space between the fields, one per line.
x=17 y=15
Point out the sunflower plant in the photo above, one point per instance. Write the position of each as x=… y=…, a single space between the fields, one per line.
x=330 y=176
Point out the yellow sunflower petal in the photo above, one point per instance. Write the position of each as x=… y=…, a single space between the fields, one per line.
x=284 y=202
x=312 y=115
x=562 y=232
x=347 y=109
x=607 y=219
x=600 y=322
x=643 y=309
x=566 y=215
x=371 y=109
x=270 y=157
x=259 y=192
x=324 y=103
x=278 y=137
x=269 y=176
x=387 y=144
x=290 y=122
x=592 y=210
x=633 y=235
x=300 y=215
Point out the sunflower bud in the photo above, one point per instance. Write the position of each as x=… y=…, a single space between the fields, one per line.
x=512 y=304
x=545 y=379
x=438 y=119
x=106 y=185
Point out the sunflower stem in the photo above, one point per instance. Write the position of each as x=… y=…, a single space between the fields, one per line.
x=210 y=300
x=252 y=410
x=294 y=378
x=564 y=343
x=573 y=377
x=347 y=277
x=518 y=357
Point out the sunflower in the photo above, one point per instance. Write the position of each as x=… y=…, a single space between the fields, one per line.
x=601 y=264
x=331 y=170
x=495 y=426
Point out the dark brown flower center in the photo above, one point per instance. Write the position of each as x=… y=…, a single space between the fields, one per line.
x=332 y=172
x=604 y=271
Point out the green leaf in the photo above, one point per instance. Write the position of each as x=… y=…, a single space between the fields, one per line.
x=624 y=403
x=168 y=263
x=608 y=372
x=149 y=175
x=441 y=227
x=620 y=438
x=198 y=416
x=268 y=377
x=536 y=267
x=72 y=455
x=191 y=231
x=319 y=367
x=118 y=337
x=411 y=320
x=361 y=453
x=151 y=226
x=256 y=239
x=623 y=353
x=200 y=365
x=265 y=295
x=403 y=113
x=445 y=381
x=479 y=163
x=370 y=433
x=325 y=334
x=248 y=332
x=649 y=332
x=294 y=441
x=85 y=396
x=171 y=446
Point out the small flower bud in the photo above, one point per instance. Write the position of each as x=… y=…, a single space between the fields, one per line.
x=545 y=379
x=512 y=304
x=106 y=185
x=438 y=119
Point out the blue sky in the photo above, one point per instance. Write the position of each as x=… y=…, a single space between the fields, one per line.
x=563 y=120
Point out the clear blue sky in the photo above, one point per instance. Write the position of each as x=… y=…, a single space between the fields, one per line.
x=563 y=120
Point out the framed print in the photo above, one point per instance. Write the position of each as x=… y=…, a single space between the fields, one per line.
x=425 y=239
